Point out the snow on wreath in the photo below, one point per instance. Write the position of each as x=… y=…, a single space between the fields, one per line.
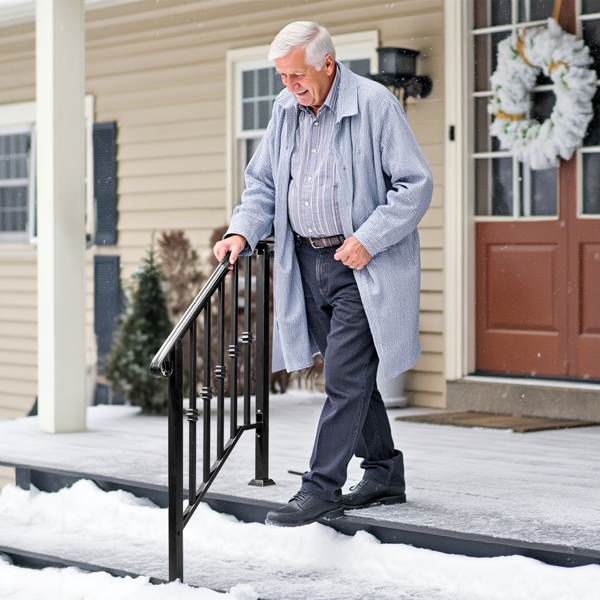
x=563 y=58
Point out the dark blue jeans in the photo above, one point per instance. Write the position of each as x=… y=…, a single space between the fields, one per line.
x=354 y=419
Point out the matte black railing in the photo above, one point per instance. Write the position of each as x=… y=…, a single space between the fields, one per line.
x=168 y=363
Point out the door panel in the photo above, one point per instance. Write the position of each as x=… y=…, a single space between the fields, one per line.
x=521 y=298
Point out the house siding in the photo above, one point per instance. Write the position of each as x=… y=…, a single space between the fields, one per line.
x=159 y=71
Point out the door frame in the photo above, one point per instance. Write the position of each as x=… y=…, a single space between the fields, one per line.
x=459 y=224
x=459 y=219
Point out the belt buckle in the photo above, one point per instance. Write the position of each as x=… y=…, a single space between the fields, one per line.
x=311 y=243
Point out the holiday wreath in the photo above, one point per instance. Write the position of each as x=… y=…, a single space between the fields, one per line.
x=563 y=58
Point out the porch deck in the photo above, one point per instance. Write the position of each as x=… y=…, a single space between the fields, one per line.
x=538 y=488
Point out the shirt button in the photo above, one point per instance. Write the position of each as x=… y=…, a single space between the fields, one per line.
x=314 y=150
x=310 y=231
x=306 y=204
x=316 y=123
x=310 y=178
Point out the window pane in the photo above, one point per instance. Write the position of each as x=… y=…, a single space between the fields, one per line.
x=13 y=208
x=486 y=51
x=248 y=84
x=591 y=36
x=248 y=116
x=264 y=76
x=590 y=6
x=494 y=187
x=492 y=12
x=538 y=191
x=14 y=150
x=259 y=83
x=500 y=12
x=263 y=114
x=482 y=125
x=535 y=10
x=592 y=137
x=591 y=183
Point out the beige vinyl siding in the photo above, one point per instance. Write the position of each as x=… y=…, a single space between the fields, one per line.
x=18 y=331
x=158 y=70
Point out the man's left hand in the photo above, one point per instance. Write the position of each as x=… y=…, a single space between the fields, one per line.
x=352 y=254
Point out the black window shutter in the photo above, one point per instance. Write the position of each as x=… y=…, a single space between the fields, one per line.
x=105 y=182
x=107 y=304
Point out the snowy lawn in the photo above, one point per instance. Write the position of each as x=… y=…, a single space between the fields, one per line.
x=119 y=530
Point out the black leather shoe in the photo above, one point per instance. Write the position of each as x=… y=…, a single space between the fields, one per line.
x=366 y=493
x=303 y=509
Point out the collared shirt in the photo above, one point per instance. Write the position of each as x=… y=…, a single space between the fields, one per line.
x=313 y=191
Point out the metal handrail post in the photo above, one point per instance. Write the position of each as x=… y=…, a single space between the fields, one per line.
x=175 y=434
x=262 y=366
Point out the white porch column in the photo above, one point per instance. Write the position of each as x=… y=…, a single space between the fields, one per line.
x=60 y=81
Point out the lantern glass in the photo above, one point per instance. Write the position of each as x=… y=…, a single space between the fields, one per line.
x=397 y=61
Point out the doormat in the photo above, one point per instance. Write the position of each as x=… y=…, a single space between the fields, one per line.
x=495 y=421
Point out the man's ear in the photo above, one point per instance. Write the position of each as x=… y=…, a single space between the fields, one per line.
x=329 y=64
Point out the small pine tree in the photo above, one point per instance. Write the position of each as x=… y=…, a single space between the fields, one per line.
x=143 y=330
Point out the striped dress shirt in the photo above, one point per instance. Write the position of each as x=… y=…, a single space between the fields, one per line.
x=313 y=191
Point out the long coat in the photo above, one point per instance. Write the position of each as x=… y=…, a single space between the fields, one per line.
x=385 y=188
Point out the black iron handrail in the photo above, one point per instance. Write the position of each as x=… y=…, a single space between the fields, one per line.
x=168 y=362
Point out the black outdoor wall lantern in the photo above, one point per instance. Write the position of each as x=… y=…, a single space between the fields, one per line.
x=398 y=69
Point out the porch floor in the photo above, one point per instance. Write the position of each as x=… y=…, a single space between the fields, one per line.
x=541 y=487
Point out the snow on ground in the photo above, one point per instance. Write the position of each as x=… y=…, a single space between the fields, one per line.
x=315 y=562
x=536 y=487
x=73 y=584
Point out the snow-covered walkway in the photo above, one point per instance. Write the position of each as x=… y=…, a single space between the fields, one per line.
x=306 y=563
x=538 y=487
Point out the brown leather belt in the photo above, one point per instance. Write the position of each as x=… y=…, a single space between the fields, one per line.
x=326 y=242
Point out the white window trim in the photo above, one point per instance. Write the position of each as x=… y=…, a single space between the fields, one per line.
x=348 y=46
x=20 y=117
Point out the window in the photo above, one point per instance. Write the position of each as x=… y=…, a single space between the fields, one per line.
x=505 y=187
x=18 y=223
x=16 y=187
x=589 y=163
x=253 y=86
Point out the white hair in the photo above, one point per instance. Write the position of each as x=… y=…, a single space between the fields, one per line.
x=313 y=38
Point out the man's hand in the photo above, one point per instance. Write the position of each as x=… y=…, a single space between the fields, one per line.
x=234 y=244
x=352 y=254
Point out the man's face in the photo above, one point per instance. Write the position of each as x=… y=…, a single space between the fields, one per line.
x=309 y=85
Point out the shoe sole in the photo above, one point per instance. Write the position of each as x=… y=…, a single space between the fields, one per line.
x=401 y=499
x=328 y=516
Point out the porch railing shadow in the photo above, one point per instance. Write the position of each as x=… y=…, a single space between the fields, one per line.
x=168 y=363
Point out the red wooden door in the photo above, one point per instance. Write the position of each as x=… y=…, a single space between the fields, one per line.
x=537 y=251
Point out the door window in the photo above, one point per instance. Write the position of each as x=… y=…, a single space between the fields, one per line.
x=590 y=153
x=504 y=187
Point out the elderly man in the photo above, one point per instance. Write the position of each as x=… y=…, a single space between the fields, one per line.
x=342 y=182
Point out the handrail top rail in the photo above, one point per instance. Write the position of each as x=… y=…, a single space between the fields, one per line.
x=160 y=366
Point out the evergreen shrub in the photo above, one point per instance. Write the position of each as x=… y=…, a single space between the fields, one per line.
x=144 y=328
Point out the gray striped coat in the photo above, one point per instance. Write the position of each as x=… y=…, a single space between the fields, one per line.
x=385 y=188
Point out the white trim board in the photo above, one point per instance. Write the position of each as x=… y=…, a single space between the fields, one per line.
x=13 y=12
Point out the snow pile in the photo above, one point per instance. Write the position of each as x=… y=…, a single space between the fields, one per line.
x=312 y=562
x=74 y=584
